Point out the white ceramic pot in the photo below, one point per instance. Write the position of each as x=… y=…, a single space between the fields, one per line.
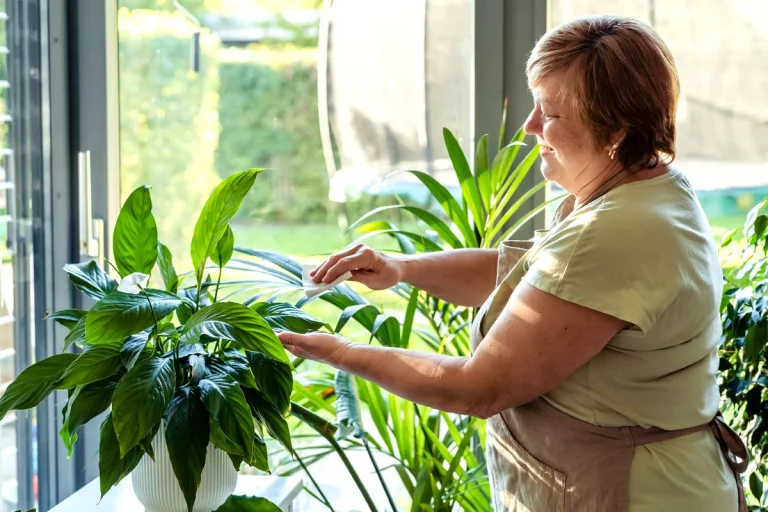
x=158 y=490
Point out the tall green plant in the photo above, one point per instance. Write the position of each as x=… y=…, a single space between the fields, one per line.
x=430 y=450
x=207 y=371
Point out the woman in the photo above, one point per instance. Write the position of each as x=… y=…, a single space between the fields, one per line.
x=595 y=358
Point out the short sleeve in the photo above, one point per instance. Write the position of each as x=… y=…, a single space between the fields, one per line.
x=610 y=261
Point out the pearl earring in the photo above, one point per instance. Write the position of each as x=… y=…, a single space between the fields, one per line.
x=612 y=151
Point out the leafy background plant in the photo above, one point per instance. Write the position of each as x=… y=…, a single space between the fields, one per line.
x=437 y=458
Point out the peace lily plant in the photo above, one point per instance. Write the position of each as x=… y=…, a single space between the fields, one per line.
x=207 y=370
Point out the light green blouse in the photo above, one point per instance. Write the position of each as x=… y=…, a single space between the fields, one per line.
x=644 y=253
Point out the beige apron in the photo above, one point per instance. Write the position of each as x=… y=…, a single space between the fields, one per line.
x=543 y=460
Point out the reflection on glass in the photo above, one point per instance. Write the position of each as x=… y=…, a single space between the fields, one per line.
x=721 y=52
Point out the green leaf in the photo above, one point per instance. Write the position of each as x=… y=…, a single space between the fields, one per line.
x=356 y=312
x=135 y=349
x=410 y=314
x=483 y=172
x=387 y=329
x=141 y=399
x=430 y=219
x=34 y=384
x=264 y=411
x=187 y=436
x=273 y=378
x=236 y=503
x=224 y=399
x=755 y=341
x=424 y=243
x=186 y=310
x=86 y=403
x=348 y=417
x=77 y=335
x=214 y=219
x=451 y=207
x=232 y=321
x=97 y=362
x=235 y=365
x=224 y=249
x=165 y=264
x=134 y=242
x=222 y=442
x=285 y=317
x=90 y=279
x=112 y=466
x=467 y=182
x=67 y=317
x=120 y=315
x=756 y=485
x=259 y=457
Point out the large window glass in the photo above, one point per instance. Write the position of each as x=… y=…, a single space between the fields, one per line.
x=329 y=99
x=721 y=52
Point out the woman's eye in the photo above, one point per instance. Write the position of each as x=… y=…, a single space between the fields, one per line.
x=550 y=116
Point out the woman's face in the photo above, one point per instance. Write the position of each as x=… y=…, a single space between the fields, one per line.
x=568 y=153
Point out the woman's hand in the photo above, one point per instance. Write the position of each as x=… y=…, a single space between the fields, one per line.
x=317 y=346
x=374 y=269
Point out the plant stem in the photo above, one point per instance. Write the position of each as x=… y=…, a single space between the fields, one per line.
x=218 y=283
x=378 y=473
x=312 y=479
x=326 y=429
x=151 y=308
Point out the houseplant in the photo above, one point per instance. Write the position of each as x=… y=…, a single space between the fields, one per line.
x=438 y=457
x=206 y=375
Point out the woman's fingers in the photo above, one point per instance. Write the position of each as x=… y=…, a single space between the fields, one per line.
x=319 y=273
x=363 y=259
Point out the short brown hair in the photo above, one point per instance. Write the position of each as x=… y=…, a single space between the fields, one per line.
x=621 y=77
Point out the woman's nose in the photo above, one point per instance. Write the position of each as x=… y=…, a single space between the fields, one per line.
x=532 y=126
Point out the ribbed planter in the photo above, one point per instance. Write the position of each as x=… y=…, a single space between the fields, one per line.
x=157 y=489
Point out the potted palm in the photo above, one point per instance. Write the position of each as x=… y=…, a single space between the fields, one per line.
x=190 y=382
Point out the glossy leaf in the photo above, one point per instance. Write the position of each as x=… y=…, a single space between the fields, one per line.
x=387 y=329
x=235 y=365
x=259 y=456
x=483 y=172
x=237 y=503
x=154 y=381
x=90 y=279
x=135 y=349
x=285 y=317
x=33 y=384
x=451 y=207
x=214 y=219
x=403 y=238
x=355 y=312
x=264 y=411
x=67 y=317
x=430 y=219
x=112 y=466
x=134 y=241
x=424 y=243
x=225 y=401
x=187 y=436
x=469 y=190
x=86 y=403
x=348 y=419
x=97 y=362
x=224 y=249
x=273 y=378
x=120 y=315
x=77 y=335
x=165 y=264
x=232 y=321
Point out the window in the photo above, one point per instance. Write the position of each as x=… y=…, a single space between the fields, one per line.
x=721 y=52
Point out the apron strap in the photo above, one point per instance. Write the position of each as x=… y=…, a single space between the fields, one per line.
x=735 y=452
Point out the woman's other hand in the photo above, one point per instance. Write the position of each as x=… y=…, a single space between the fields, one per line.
x=375 y=270
x=317 y=346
